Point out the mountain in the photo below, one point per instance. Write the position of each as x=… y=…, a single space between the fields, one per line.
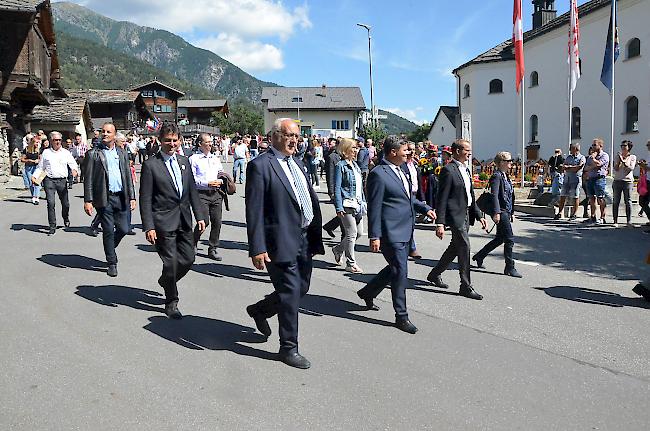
x=395 y=125
x=86 y=64
x=159 y=48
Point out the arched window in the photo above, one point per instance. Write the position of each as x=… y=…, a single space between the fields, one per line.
x=534 y=79
x=633 y=48
x=632 y=115
x=466 y=91
x=496 y=86
x=534 y=128
x=576 y=122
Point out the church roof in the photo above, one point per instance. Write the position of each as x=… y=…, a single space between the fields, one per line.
x=504 y=51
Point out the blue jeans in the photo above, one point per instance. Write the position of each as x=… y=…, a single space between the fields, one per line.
x=34 y=189
x=238 y=166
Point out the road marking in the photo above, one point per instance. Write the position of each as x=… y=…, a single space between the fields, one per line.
x=523 y=262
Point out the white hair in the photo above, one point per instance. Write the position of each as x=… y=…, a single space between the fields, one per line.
x=119 y=136
x=277 y=124
x=54 y=133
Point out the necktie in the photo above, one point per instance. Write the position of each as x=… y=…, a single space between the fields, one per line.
x=402 y=177
x=303 y=194
x=178 y=181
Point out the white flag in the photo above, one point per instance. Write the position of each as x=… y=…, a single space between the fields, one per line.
x=574 y=50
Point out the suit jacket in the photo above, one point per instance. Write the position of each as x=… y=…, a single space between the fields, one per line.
x=273 y=215
x=451 y=202
x=96 y=177
x=391 y=210
x=160 y=206
x=498 y=190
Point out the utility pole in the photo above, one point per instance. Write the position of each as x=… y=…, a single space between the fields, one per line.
x=372 y=101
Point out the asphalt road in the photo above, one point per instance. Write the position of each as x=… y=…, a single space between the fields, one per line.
x=564 y=348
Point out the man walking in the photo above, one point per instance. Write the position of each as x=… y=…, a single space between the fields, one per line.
x=167 y=199
x=391 y=218
x=240 y=156
x=284 y=232
x=456 y=209
x=109 y=188
x=573 y=167
x=206 y=168
x=363 y=160
x=56 y=162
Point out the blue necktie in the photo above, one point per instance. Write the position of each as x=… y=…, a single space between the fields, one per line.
x=178 y=181
x=303 y=194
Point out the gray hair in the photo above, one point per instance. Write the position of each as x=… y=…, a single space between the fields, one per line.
x=502 y=156
x=119 y=136
x=54 y=133
x=574 y=146
x=277 y=124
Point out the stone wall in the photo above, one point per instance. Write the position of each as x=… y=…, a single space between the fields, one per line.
x=5 y=161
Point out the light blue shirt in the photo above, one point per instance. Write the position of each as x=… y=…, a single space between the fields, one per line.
x=174 y=170
x=114 y=173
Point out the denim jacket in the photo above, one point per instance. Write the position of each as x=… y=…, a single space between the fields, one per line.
x=345 y=184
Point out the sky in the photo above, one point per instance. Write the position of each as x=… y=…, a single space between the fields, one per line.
x=415 y=43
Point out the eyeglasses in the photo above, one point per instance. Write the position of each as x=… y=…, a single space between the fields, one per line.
x=290 y=135
x=170 y=140
x=55 y=139
x=507 y=161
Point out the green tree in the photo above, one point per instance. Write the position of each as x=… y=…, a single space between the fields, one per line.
x=243 y=118
x=376 y=133
x=421 y=133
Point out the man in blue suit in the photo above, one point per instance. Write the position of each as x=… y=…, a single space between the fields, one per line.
x=283 y=220
x=391 y=218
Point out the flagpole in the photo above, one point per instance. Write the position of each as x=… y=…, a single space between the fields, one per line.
x=613 y=92
x=523 y=131
x=570 y=104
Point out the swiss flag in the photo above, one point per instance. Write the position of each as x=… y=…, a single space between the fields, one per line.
x=518 y=42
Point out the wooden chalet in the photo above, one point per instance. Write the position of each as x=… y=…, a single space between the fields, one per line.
x=160 y=99
x=126 y=109
x=68 y=115
x=199 y=111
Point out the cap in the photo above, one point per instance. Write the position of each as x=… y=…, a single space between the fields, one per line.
x=360 y=139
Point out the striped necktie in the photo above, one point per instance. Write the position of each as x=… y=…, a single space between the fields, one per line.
x=304 y=198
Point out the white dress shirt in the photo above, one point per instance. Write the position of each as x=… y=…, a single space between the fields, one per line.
x=400 y=174
x=462 y=167
x=282 y=159
x=205 y=169
x=414 y=176
x=56 y=163
x=166 y=157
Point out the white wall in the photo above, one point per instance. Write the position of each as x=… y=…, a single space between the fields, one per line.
x=317 y=120
x=496 y=118
x=442 y=131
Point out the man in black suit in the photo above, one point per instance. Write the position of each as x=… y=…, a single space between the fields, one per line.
x=109 y=189
x=391 y=218
x=284 y=232
x=456 y=209
x=167 y=199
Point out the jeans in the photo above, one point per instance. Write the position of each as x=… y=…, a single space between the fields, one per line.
x=34 y=189
x=351 y=227
x=313 y=173
x=54 y=186
x=504 y=236
x=114 y=220
x=624 y=187
x=239 y=166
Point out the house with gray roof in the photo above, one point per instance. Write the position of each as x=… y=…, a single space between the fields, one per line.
x=443 y=128
x=326 y=111
x=68 y=115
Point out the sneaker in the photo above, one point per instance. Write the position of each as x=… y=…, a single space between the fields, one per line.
x=573 y=217
x=590 y=220
x=614 y=224
x=602 y=221
x=558 y=216
x=354 y=269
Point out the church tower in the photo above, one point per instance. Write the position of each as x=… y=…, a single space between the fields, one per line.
x=544 y=11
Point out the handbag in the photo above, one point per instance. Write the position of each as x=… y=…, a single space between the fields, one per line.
x=485 y=202
x=351 y=203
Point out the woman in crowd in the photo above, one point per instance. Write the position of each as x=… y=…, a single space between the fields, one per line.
x=30 y=158
x=349 y=201
x=624 y=165
x=319 y=160
x=503 y=195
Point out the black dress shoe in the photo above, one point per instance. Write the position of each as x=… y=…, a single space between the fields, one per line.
x=295 y=360
x=212 y=254
x=479 y=262
x=130 y=232
x=512 y=272
x=406 y=326
x=329 y=232
x=470 y=293
x=112 y=270
x=641 y=290
x=370 y=305
x=66 y=223
x=94 y=232
x=415 y=255
x=171 y=310
x=436 y=280
x=260 y=321
x=52 y=231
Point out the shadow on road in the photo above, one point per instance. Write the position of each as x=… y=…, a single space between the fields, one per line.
x=113 y=295
x=149 y=248
x=234 y=223
x=220 y=270
x=592 y=296
x=231 y=245
x=73 y=261
x=30 y=227
x=317 y=305
x=202 y=333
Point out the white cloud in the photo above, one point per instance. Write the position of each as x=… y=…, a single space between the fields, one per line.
x=411 y=114
x=252 y=56
x=233 y=29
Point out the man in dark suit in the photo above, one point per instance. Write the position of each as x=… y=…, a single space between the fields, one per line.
x=456 y=209
x=167 y=199
x=391 y=218
x=284 y=233
x=109 y=189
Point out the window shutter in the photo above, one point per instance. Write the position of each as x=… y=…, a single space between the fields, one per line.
x=347 y=125
x=334 y=124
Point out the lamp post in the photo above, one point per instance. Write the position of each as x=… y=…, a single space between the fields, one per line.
x=372 y=103
x=298 y=102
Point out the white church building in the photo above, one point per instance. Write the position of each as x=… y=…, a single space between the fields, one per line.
x=490 y=108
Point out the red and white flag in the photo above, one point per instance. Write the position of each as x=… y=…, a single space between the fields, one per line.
x=518 y=42
x=574 y=50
